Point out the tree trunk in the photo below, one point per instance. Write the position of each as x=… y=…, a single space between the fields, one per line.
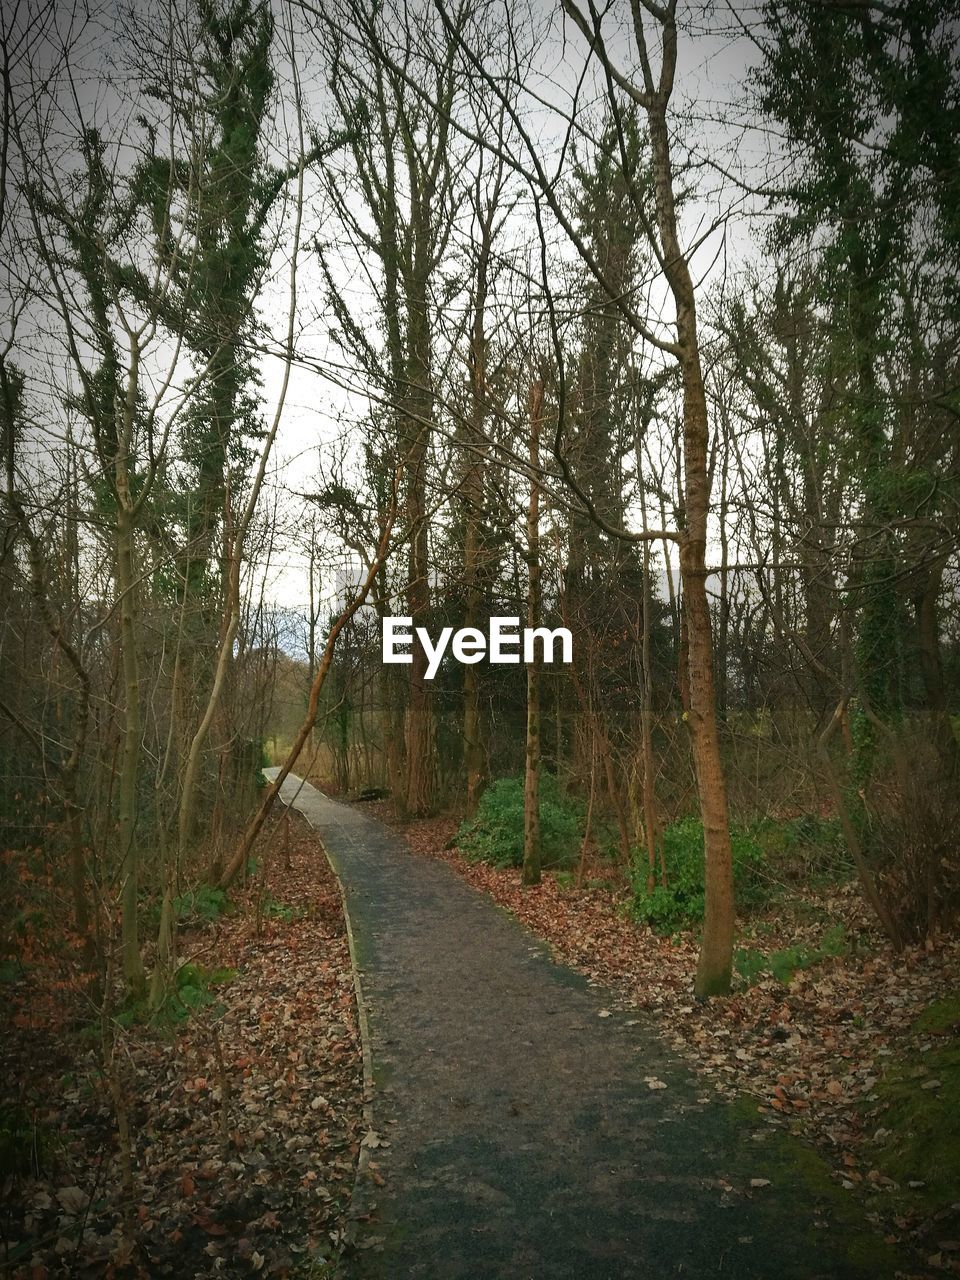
x=420 y=730
x=716 y=954
x=255 y=826
x=531 y=789
x=931 y=666
x=132 y=962
x=650 y=824
x=474 y=739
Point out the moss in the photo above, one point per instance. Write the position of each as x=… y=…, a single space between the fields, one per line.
x=793 y=1165
x=920 y=1128
x=943 y=1015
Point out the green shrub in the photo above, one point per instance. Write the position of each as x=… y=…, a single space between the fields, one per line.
x=203 y=903
x=271 y=909
x=495 y=834
x=194 y=987
x=680 y=905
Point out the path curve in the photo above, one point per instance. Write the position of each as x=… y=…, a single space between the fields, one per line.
x=524 y=1141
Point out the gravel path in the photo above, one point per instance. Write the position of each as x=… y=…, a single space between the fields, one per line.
x=524 y=1140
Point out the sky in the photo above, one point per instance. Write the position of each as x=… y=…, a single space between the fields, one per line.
x=715 y=55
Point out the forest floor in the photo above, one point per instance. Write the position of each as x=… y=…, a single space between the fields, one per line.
x=857 y=1052
x=243 y=1098
x=503 y=1087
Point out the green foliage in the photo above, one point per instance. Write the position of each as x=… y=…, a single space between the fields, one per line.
x=680 y=904
x=274 y=910
x=202 y=903
x=495 y=834
x=194 y=987
x=752 y=964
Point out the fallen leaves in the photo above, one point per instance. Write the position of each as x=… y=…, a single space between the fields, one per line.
x=276 y=1194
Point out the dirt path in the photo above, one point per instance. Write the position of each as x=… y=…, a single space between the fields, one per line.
x=525 y=1140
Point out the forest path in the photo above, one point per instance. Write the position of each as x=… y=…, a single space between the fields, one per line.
x=524 y=1139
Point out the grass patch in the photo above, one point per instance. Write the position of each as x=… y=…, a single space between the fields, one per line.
x=793 y=1165
x=752 y=964
x=940 y=1017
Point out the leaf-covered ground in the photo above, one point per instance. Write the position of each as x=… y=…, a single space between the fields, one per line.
x=245 y=1116
x=814 y=1052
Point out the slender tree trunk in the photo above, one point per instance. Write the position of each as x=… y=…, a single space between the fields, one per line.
x=931 y=666
x=420 y=730
x=650 y=824
x=723 y=620
x=392 y=697
x=716 y=954
x=588 y=821
x=531 y=789
x=613 y=790
x=474 y=740
x=255 y=826
x=132 y=962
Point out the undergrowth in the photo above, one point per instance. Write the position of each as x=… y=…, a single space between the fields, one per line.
x=495 y=834
x=752 y=964
x=679 y=903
